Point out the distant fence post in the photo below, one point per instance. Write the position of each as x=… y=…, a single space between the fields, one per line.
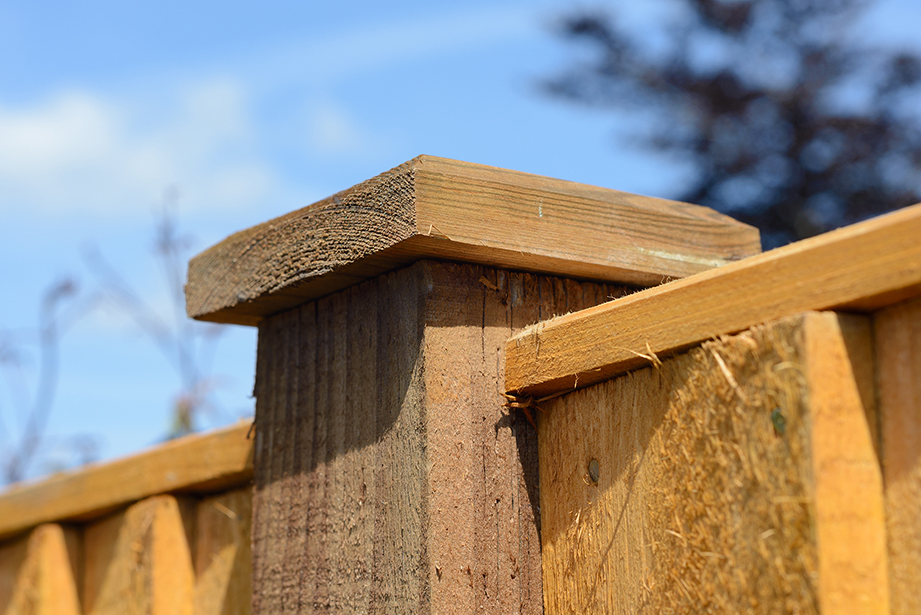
x=388 y=474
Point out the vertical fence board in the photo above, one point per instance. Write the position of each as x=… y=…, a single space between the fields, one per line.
x=39 y=573
x=898 y=351
x=526 y=310
x=728 y=479
x=850 y=514
x=223 y=558
x=139 y=561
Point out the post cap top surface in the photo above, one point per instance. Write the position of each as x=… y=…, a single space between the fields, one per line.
x=437 y=208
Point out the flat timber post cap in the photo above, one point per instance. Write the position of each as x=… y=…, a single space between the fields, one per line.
x=445 y=209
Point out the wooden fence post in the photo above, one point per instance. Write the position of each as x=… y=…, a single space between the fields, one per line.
x=388 y=475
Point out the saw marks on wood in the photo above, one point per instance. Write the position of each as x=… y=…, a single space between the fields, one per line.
x=444 y=209
x=389 y=476
x=340 y=453
x=709 y=468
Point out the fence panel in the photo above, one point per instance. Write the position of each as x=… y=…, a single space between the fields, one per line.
x=181 y=553
x=849 y=400
x=898 y=350
x=38 y=572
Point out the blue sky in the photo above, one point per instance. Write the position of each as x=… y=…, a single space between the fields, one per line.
x=250 y=111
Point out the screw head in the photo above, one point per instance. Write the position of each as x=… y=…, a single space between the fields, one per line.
x=594 y=470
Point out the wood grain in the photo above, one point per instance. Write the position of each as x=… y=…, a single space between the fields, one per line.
x=437 y=208
x=702 y=504
x=138 y=561
x=199 y=463
x=38 y=573
x=340 y=464
x=223 y=556
x=898 y=349
x=860 y=268
x=850 y=516
x=389 y=477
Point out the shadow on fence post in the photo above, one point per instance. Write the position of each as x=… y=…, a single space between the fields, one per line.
x=389 y=474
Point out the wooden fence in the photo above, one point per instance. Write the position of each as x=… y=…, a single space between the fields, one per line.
x=744 y=439
x=774 y=467
x=109 y=540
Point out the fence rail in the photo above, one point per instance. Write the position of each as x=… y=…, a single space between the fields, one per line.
x=747 y=438
x=714 y=443
x=164 y=531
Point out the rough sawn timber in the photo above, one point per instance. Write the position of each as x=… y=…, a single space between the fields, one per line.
x=897 y=333
x=862 y=267
x=444 y=209
x=739 y=477
x=389 y=477
x=199 y=463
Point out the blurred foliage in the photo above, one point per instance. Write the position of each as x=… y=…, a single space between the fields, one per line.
x=790 y=125
x=30 y=357
x=188 y=345
x=22 y=423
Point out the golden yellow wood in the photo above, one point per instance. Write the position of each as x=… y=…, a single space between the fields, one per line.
x=444 y=209
x=138 y=562
x=198 y=463
x=850 y=517
x=737 y=477
x=898 y=350
x=862 y=267
x=223 y=557
x=38 y=573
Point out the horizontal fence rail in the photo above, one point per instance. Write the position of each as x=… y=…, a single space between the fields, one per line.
x=163 y=531
x=715 y=443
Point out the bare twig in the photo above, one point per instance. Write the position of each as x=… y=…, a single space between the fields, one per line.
x=187 y=345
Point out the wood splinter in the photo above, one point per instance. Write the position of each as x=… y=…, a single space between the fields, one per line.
x=526 y=403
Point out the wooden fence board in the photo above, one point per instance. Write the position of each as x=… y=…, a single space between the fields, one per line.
x=898 y=351
x=198 y=463
x=850 y=516
x=39 y=572
x=444 y=209
x=223 y=556
x=859 y=268
x=738 y=477
x=138 y=561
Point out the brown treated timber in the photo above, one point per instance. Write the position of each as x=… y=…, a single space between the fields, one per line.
x=39 y=573
x=898 y=351
x=444 y=209
x=738 y=477
x=139 y=561
x=859 y=268
x=389 y=477
x=199 y=463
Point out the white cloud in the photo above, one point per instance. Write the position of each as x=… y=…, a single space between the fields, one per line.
x=82 y=152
